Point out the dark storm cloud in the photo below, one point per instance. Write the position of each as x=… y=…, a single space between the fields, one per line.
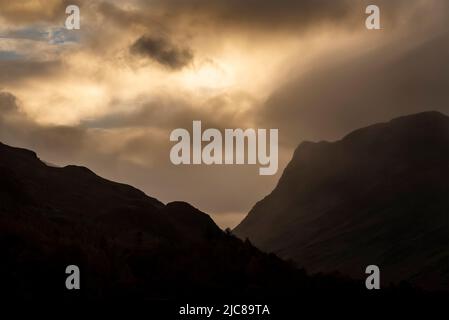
x=268 y=15
x=260 y=14
x=327 y=102
x=162 y=50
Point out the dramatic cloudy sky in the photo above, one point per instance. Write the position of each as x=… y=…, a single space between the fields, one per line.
x=108 y=95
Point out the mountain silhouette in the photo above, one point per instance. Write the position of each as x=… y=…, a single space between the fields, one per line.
x=128 y=246
x=132 y=248
x=379 y=196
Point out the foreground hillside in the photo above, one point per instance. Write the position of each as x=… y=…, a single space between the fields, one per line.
x=128 y=246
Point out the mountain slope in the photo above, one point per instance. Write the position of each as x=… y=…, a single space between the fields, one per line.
x=128 y=246
x=378 y=196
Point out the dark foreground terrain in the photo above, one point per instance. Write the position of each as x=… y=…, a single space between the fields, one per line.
x=127 y=245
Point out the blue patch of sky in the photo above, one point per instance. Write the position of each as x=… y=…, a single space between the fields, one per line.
x=52 y=35
x=9 y=55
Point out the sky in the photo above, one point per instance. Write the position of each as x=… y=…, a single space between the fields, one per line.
x=108 y=95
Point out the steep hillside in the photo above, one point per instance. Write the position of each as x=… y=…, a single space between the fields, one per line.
x=378 y=196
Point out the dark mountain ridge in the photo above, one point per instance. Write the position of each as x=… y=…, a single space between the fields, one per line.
x=378 y=196
x=129 y=246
